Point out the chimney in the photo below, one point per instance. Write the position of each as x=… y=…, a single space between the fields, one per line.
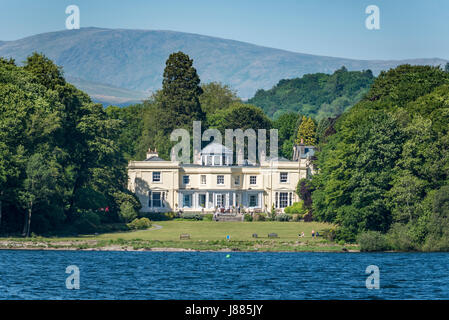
x=152 y=153
x=302 y=141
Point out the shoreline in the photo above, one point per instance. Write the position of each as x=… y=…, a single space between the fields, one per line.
x=95 y=245
x=107 y=249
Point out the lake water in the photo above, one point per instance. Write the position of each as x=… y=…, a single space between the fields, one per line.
x=213 y=275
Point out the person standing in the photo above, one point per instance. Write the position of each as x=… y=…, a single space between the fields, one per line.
x=313 y=234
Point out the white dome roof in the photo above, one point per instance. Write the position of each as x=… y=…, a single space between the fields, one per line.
x=215 y=148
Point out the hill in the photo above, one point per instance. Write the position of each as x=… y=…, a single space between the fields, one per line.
x=319 y=94
x=135 y=59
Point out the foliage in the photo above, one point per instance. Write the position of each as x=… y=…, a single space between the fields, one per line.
x=306 y=132
x=287 y=125
x=86 y=222
x=296 y=207
x=247 y=217
x=159 y=216
x=208 y=217
x=304 y=190
x=259 y=217
x=127 y=212
x=388 y=154
x=372 y=241
x=319 y=95
x=139 y=224
x=283 y=217
x=216 y=96
x=58 y=150
x=240 y=116
x=329 y=234
x=192 y=216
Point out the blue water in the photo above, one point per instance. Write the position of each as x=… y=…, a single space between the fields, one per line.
x=211 y=275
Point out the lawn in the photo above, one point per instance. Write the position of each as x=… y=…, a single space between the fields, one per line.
x=211 y=230
x=204 y=235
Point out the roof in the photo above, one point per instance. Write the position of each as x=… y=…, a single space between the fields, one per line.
x=215 y=148
x=277 y=159
x=154 y=158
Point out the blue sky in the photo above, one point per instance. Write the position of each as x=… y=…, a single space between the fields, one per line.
x=408 y=29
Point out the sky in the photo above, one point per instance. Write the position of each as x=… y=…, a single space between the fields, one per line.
x=408 y=28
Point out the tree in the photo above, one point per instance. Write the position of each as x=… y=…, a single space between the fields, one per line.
x=240 y=116
x=287 y=125
x=37 y=186
x=385 y=156
x=46 y=72
x=306 y=132
x=180 y=92
x=446 y=67
x=316 y=94
x=216 y=96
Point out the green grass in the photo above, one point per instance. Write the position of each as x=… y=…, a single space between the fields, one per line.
x=204 y=235
x=211 y=230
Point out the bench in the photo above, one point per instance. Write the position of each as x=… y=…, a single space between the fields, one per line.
x=254 y=235
x=184 y=236
x=273 y=235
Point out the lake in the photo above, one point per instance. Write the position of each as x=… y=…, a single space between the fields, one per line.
x=218 y=275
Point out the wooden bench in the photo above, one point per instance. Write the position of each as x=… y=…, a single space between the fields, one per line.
x=184 y=236
x=273 y=235
x=254 y=235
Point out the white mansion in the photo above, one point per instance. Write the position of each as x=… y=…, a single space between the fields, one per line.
x=214 y=183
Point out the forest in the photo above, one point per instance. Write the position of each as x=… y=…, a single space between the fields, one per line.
x=319 y=95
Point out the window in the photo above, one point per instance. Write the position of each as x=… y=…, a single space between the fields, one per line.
x=202 y=200
x=185 y=179
x=220 y=179
x=187 y=200
x=284 y=177
x=209 y=160
x=237 y=180
x=156 y=199
x=283 y=199
x=252 y=179
x=203 y=179
x=220 y=200
x=253 y=200
x=156 y=176
x=217 y=160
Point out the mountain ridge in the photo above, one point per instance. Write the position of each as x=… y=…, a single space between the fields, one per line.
x=134 y=59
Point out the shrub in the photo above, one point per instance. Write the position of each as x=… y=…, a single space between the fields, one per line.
x=247 y=217
x=139 y=224
x=372 y=241
x=399 y=238
x=127 y=212
x=330 y=234
x=192 y=216
x=208 y=217
x=259 y=217
x=296 y=217
x=296 y=207
x=86 y=222
x=283 y=217
x=159 y=216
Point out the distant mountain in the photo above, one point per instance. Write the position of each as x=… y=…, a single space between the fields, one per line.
x=107 y=94
x=135 y=60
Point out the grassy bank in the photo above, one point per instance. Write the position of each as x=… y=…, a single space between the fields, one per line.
x=204 y=235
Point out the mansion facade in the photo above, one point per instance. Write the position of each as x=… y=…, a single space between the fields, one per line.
x=214 y=183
